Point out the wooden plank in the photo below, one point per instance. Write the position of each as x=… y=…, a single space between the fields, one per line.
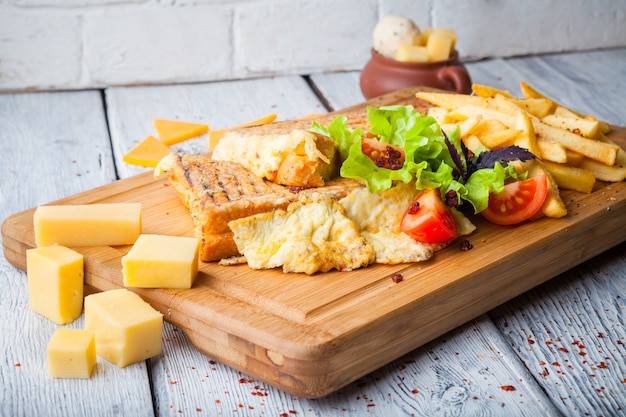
x=287 y=331
x=53 y=145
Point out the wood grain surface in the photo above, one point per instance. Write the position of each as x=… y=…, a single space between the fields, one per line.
x=311 y=335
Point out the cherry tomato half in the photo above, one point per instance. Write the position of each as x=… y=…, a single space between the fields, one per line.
x=428 y=219
x=519 y=201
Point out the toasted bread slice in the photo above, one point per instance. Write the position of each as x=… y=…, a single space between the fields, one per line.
x=217 y=192
x=287 y=153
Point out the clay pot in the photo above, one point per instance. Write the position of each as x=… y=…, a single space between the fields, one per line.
x=383 y=75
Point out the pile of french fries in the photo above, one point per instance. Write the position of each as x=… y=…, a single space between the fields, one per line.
x=572 y=149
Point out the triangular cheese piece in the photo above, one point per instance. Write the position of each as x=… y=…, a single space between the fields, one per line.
x=216 y=135
x=147 y=153
x=174 y=131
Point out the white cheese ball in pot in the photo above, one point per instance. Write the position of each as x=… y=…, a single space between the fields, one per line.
x=391 y=31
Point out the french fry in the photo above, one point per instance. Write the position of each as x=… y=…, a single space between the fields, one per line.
x=526 y=138
x=538 y=107
x=582 y=127
x=593 y=149
x=554 y=206
x=571 y=178
x=565 y=112
x=552 y=151
x=473 y=144
x=574 y=158
x=487 y=113
x=440 y=114
x=449 y=100
x=530 y=92
x=499 y=139
x=603 y=172
x=482 y=90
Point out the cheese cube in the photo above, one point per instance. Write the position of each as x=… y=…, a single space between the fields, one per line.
x=439 y=46
x=87 y=224
x=127 y=329
x=55 y=282
x=411 y=53
x=157 y=261
x=71 y=353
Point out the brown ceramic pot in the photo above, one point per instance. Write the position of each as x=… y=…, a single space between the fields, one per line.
x=383 y=75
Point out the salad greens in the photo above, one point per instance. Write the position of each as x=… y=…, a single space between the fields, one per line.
x=432 y=158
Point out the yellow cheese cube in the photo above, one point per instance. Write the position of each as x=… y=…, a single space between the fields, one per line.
x=411 y=53
x=157 y=261
x=439 y=46
x=127 y=329
x=88 y=224
x=55 y=282
x=71 y=353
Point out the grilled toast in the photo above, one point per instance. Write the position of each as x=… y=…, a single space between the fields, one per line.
x=216 y=192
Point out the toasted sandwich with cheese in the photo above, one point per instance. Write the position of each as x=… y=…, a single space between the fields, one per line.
x=286 y=153
x=217 y=192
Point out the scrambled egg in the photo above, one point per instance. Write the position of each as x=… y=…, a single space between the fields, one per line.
x=313 y=234
x=378 y=217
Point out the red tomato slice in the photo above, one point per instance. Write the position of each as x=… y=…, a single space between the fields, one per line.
x=519 y=201
x=428 y=219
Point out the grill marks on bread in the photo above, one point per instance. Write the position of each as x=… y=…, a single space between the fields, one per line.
x=217 y=192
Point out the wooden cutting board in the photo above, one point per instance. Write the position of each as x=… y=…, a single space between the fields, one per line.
x=311 y=335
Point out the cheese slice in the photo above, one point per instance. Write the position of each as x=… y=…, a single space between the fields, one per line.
x=87 y=224
x=175 y=131
x=127 y=329
x=147 y=153
x=55 y=282
x=216 y=135
x=157 y=261
x=71 y=353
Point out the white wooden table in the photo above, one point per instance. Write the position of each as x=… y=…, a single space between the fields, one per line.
x=559 y=349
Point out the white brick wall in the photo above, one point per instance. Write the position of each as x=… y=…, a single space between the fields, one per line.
x=71 y=44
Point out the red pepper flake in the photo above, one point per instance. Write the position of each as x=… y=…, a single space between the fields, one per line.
x=173 y=382
x=602 y=365
x=545 y=373
x=548 y=342
x=18 y=364
x=212 y=362
x=371 y=405
x=563 y=349
x=283 y=415
x=293 y=412
x=530 y=341
x=199 y=410
x=542 y=363
x=217 y=401
x=556 y=364
x=397 y=277
x=507 y=388
x=415 y=391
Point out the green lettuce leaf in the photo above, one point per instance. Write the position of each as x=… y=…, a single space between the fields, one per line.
x=428 y=160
